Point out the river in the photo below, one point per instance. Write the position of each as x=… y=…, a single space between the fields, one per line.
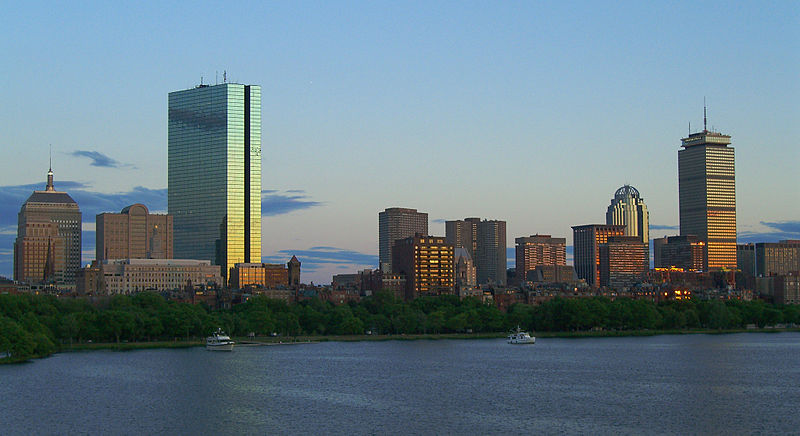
x=673 y=384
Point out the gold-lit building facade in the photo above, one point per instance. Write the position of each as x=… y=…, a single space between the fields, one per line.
x=623 y=262
x=259 y=275
x=428 y=264
x=532 y=251
x=707 y=195
x=586 y=241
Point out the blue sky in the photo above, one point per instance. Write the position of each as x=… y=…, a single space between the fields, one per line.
x=531 y=112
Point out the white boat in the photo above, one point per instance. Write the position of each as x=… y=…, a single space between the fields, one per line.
x=521 y=338
x=219 y=341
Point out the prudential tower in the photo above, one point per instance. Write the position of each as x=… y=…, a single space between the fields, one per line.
x=707 y=195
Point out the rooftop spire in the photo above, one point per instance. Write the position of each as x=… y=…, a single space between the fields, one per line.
x=50 y=186
x=705 y=120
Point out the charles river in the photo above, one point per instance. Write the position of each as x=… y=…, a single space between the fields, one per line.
x=685 y=384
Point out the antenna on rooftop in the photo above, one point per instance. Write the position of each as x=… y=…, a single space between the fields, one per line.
x=201 y=80
x=51 y=157
x=216 y=77
x=705 y=120
x=224 y=76
x=690 y=127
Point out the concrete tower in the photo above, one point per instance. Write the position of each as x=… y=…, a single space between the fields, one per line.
x=707 y=195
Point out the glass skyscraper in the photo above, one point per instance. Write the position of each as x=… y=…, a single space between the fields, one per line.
x=214 y=179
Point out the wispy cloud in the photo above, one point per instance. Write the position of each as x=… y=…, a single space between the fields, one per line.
x=278 y=203
x=319 y=258
x=100 y=160
x=664 y=227
x=772 y=232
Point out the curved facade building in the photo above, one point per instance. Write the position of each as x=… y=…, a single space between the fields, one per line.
x=628 y=209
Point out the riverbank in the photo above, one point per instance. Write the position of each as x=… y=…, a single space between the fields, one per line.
x=287 y=340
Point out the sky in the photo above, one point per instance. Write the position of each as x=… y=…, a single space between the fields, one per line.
x=529 y=112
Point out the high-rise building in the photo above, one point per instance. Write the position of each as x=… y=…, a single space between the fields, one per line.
x=397 y=223
x=134 y=233
x=622 y=261
x=427 y=262
x=463 y=234
x=535 y=250
x=627 y=208
x=774 y=258
x=485 y=241
x=586 y=241
x=48 y=244
x=214 y=180
x=293 y=266
x=684 y=252
x=492 y=254
x=746 y=259
x=707 y=195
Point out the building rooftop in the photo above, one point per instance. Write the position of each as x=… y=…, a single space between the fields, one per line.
x=706 y=137
x=50 y=197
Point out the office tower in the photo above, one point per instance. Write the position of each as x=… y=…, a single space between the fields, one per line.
x=214 y=180
x=134 y=233
x=397 y=223
x=427 y=262
x=622 y=261
x=684 y=252
x=535 y=250
x=746 y=259
x=294 y=272
x=628 y=209
x=466 y=277
x=485 y=241
x=707 y=195
x=463 y=234
x=492 y=255
x=777 y=258
x=48 y=244
x=586 y=241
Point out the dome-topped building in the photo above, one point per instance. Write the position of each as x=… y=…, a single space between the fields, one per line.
x=628 y=209
x=48 y=244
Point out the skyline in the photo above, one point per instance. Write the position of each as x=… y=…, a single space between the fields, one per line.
x=536 y=124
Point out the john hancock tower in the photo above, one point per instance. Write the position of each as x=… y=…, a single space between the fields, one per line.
x=214 y=173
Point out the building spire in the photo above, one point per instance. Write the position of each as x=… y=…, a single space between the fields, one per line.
x=705 y=120
x=50 y=186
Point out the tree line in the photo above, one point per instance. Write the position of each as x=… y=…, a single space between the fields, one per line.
x=34 y=325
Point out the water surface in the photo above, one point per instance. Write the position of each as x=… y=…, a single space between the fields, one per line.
x=692 y=384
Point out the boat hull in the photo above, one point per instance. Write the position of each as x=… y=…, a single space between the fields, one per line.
x=220 y=347
x=531 y=341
